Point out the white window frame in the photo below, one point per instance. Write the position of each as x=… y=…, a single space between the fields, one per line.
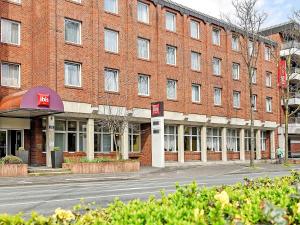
x=116 y=6
x=194 y=22
x=235 y=76
x=269 y=104
x=148 y=48
x=215 y=59
x=250 y=48
x=215 y=97
x=102 y=131
x=2 y=31
x=199 y=93
x=216 y=31
x=167 y=140
x=107 y=30
x=15 y=1
x=254 y=101
x=188 y=134
x=263 y=140
x=253 y=75
x=235 y=45
x=19 y=75
x=211 y=136
x=268 y=79
x=118 y=75
x=233 y=140
x=74 y=21
x=131 y=134
x=173 y=29
x=175 y=57
x=175 y=82
x=148 y=14
x=148 y=80
x=80 y=75
x=268 y=53
x=237 y=94
x=198 y=56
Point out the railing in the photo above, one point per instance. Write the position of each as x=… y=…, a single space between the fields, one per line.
x=291 y=44
x=294 y=120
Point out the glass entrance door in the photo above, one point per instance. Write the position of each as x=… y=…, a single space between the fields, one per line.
x=3 y=143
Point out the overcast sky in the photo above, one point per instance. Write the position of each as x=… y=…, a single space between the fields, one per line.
x=277 y=10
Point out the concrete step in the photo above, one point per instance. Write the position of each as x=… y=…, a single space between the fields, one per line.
x=43 y=171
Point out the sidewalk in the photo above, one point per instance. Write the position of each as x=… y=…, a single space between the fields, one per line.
x=151 y=173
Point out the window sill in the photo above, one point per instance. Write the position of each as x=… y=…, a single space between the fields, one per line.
x=144 y=23
x=112 y=53
x=74 y=2
x=237 y=80
x=112 y=14
x=144 y=96
x=112 y=92
x=11 y=44
x=171 y=31
x=174 y=66
x=220 y=76
x=74 y=44
x=237 y=108
x=270 y=112
x=269 y=87
x=9 y=87
x=145 y=60
x=73 y=87
x=196 y=39
x=216 y=45
x=14 y=3
x=196 y=103
x=218 y=106
x=196 y=71
x=236 y=51
x=172 y=100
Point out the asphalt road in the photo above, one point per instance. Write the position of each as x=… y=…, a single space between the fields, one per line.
x=47 y=197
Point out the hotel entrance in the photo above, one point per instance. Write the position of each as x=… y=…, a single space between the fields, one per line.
x=10 y=141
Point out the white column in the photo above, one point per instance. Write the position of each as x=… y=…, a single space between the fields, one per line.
x=90 y=139
x=242 y=144
x=272 y=144
x=158 y=135
x=203 y=144
x=181 y=143
x=125 y=144
x=50 y=139
x=224 y=144
x=258 y=145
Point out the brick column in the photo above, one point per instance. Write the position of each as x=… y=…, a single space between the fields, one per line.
x=224 y=144
x=258 y=144
x=203 y=144
x=272 y=145
x=181 y=143
x=125 y=144
x=90 y=139
x=50 y=139
x=242 y=144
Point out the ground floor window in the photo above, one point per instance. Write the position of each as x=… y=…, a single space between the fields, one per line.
x=233 y=140
x=103 y=140
x=192 y=139
x=134 y=137
x=170 y=142
x=263 y=140
x=248 y=140
x=214 y=139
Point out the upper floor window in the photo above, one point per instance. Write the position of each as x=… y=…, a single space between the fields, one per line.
x=171 y=55
x=143 y=48
x=195 y=61
x=72 y=31
x=235 y=43
x=216 y=66
x=216 y=36
x=269 y=104
x=144 y=85
x=16 y=1
x=111 y=40
x=111 y=6
x=10 y=32
x=111 y=80
x=143 y=12
x=171 y=89
x=269 y=79
x=263 y=140
x=195 y=29
x=254 y=102
x=78 y=1
x=250 y=48
x=267 y=53
x=73 y=74
x=236 y=99
x=10 y=75
x=171 y=21
x=235 y=71
x=217 y=96
x=196 y=93
x=253 y=75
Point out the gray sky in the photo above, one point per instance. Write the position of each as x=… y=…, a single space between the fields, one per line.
x=278 y=10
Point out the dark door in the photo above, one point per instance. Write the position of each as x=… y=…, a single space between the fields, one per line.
x=3 y=143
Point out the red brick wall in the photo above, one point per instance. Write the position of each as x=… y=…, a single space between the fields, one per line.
x=192 y=156
x=171 y=156
x=36 y=150
x=233 y=156
x=214 y=156
x=146 y=145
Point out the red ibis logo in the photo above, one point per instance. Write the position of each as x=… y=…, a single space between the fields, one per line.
x=43 y=100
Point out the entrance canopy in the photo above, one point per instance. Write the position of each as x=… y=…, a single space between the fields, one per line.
x=38 y=101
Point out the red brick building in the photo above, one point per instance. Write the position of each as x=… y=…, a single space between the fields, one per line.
x=129 y=54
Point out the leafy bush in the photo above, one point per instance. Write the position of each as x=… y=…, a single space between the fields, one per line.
x=10 y=159
x=261 y=201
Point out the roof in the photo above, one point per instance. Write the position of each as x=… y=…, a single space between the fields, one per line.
x=280 y=28
x=206 y=18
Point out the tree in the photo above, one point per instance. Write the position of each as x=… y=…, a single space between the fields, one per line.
x=247 y=21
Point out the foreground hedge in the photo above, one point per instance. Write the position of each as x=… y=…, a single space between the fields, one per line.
x=262 y=201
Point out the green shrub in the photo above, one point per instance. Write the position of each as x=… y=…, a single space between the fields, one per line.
x=10 y=159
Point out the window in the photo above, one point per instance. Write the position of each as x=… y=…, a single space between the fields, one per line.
x=248 y=140
x=78 y=1
x=235 y=43
x=236 y=99
x=253 y=75
x=267 y=53
x=15 y=1
x=216 y=39
x=250 y=48
x=269 y=104
x=170 y=143
x=216 y=66
x=134 y=137
x=195 y=61
x=269 y=79
x=73 y=74
x=195 y=29
x=111 y=40
x=217 y=96
x=171 y=89
x=233 y=140
x=254 y=102
x=214 y=139
x=72 y=31
x=235 y=71
x=143 y=12
x=263 y=140
x=143 y=48
x=70 y=135
x=196 y=93
x=170 y=21
x=143 y=85
x=111 y=80
x=171 y=55
x=10 y=75
x=111 y=6
x=192 y=139
x=10 y=32
x=103 y=140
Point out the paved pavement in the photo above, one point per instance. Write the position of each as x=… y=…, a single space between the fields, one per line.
x=45 y=194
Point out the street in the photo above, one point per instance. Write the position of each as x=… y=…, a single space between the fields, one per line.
x=65 y=191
